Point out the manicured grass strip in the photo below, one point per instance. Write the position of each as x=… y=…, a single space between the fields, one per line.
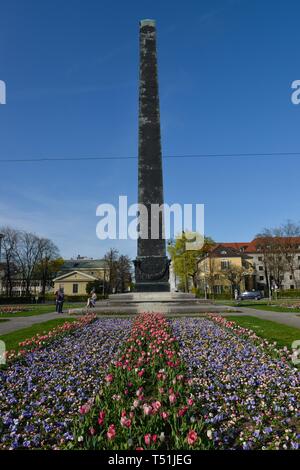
x=263 y=305
x=284 y=335
x=269 y=308
x=40 y=310
x=13 y=339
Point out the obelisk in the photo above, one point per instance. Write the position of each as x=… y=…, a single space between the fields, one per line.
x=151 y=264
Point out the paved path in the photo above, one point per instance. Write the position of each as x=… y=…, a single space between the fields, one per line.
x=287 y=318
x=19 y=323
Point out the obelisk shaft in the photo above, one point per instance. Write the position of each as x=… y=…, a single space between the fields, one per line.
x=152 y=263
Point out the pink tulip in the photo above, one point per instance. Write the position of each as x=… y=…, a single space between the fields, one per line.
x=156 y=405
x=147 y=439
x=164 y=415
x=172 y=398
x=125 y=422
x=84 y=409
x=191 y=437
x=111 y=433
x=147 y=409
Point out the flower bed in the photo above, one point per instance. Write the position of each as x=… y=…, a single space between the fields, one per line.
x=147 y=401
x=248 y=399
x=40 y=395
x=8 y=309
x=38 y=341
x=271 y=347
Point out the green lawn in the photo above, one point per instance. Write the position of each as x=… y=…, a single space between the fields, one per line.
x=284 y=335
x=13 y=339
x=270 y=308
x=40 y=310
x=262 y=305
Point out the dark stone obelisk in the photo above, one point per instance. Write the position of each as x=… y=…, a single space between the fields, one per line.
x=151 y=264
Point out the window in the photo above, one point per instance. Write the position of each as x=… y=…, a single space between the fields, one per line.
x=261 y=278
x=75 y=288
x=224 y=264
x=260 y=258
x=292 y=286
x=261 y=268
x=291 y=278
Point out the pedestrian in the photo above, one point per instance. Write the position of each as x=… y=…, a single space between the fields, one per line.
x=60 y=301
x=91 y=303
x=236 y=294
x=94 y=298
x=56 y=301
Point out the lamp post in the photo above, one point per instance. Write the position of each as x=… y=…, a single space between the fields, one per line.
x=1 y=236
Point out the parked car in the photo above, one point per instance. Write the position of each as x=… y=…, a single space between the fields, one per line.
x=250 y=295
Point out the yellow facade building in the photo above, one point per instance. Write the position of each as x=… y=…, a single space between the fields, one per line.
x=76 y=274
x=225 y=269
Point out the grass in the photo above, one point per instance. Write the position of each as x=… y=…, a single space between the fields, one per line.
x=40 y=310
x=276 y=305
x=284 y=335
x=270 y=308
x=13 y=339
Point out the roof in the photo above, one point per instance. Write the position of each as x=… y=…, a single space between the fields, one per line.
x=78 y=264
x=254 y=245
x=80 y=273
x=222 y=251
x=236 y=245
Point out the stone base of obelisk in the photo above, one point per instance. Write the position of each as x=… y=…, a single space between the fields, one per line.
x=152 y=274
x=164 y=302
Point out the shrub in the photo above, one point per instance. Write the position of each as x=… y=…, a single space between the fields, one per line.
x=290 y=293
x=16 y=300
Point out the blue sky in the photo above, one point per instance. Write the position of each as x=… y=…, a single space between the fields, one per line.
x=225 y=71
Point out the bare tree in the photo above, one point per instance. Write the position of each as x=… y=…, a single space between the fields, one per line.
x=28 y=253
x=48 y=263
x=9 y=245
x=111 y=263
x=124 y=270
x=290 y=246
x=235 y=275
x=280 y=246
x=208 y=273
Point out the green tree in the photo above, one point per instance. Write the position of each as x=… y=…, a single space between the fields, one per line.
x=185 y=261
x=100 y=287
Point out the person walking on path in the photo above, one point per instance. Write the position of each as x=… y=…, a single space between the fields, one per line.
x=91 y=303
x=60 y=301
x=56 y=301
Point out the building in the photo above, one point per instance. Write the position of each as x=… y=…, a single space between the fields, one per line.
x=275 y=262
x=75 y=274
x=224 y=269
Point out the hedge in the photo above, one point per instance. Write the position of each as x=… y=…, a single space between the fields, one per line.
x=16 y=300
x=290 y=293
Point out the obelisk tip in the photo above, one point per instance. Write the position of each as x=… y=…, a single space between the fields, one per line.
x=147 y=22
